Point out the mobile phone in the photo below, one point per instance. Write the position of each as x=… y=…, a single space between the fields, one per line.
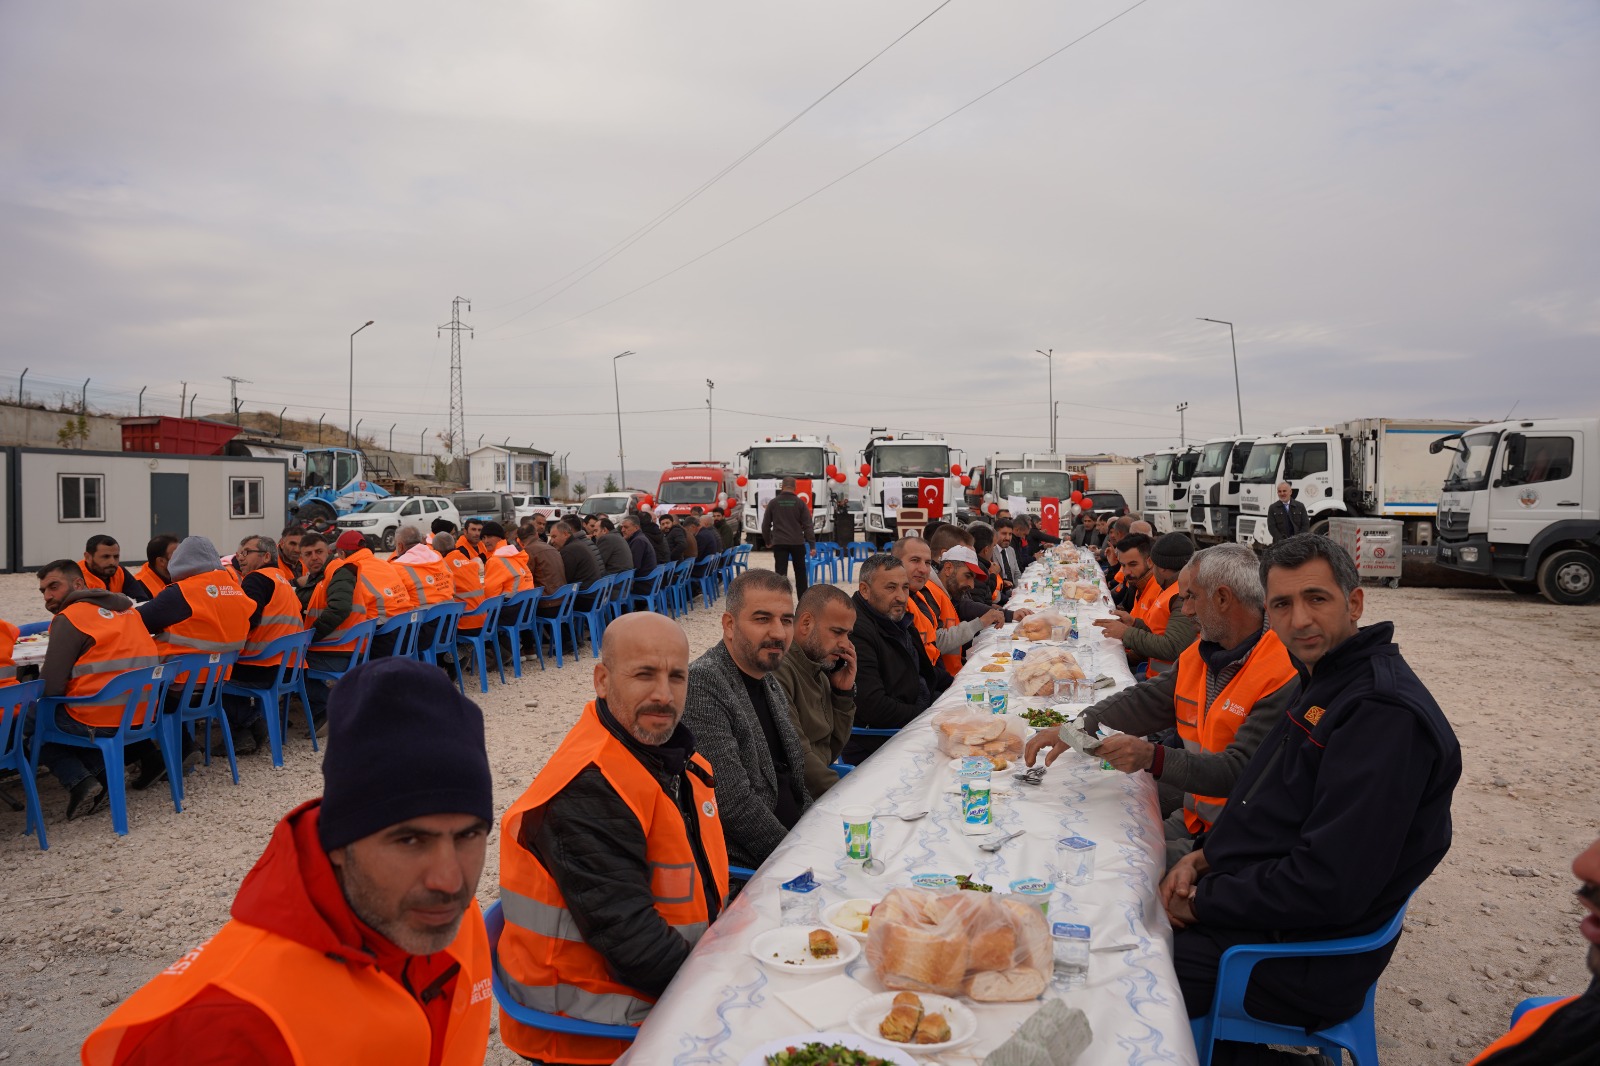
x=838 y=664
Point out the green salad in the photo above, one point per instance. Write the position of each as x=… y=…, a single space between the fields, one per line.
x=1042 y=717
x=815 y=1054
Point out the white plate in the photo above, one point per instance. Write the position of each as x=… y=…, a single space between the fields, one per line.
x=853 y=1041
x=831 y=914
x=865 y=1017
x=786 y=949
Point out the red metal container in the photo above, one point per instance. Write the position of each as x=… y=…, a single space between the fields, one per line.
x=176 y=436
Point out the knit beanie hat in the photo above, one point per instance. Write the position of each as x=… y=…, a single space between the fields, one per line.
x=196 y=555
x=1172 y=552
x=402 y=743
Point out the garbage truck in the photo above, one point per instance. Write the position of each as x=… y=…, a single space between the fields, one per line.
x=1031 y=475
x=808 y=459
x=1166 y=488
x=1215 y=488
x=906 y=470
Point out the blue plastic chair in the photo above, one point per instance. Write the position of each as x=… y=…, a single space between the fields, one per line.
x=856 y=553
x=1227 y=1019
x=704 y=577
x=481 y=640
x=741 y=558
x=199 y=699
x=560 y=624
x=131 y=688
x=290 y=680
x=682 y=587
x=15 y=703
x=494 y=920
x=361 y=635
x=841 y=768
x=445 y=618
x=590 y=607
x=620 y=597
x=1531 y=1003
x=405 y=627
x=728 y=568
x=651 y=596
x=517 y=618
x=822 y=562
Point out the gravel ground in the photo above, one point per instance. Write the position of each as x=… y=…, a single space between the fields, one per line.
x=90 y=920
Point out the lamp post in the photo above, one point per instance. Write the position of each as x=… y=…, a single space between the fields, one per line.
x=1232 y=344
x=711 y=387
x=1182 y=407
x=350 y=414
x=1051 y=364
x=617 y=391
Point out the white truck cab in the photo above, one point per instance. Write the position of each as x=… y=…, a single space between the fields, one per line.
x=1214 y=488
x=896 y=465
x=807 y=459
x=1521 y=504
x=1166 y=488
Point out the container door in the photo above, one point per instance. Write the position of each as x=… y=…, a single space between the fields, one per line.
x=169 y=505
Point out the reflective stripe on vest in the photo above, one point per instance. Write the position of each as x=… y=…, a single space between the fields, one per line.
x=120 y=643
x=279 y=618
x=319 y=603
x=1211 y=729
x=327 y=1010
x=466 y=574
x=218 y=622
x=543 y=958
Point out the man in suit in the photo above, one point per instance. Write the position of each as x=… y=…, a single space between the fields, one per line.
x=740 y=719
x=1288 y=516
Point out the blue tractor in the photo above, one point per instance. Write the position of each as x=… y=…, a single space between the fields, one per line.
x=337 y=481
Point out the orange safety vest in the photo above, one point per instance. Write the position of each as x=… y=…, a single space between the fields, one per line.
x=1265 y=670
x=466 y=573
x=506 y=572
x=121 y=643
x=8 y=643
x=1153 y=607
x=151 y=580
x=279 y=618
x=1526 y=1026
x=325 y=1010
x=471 y=550
x=219 y=619
x=380 y=594
x=430 y=582
x=118 y=582
x=948 y=619
x=319 y=603
x=543 y=958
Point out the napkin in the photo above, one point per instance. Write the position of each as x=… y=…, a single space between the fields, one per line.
x=1055 y=1035
x=825 y=1004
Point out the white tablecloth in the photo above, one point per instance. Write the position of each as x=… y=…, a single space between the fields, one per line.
x=723 y=1003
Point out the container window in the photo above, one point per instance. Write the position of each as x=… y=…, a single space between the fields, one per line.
x=245 y=493
x=81 y=497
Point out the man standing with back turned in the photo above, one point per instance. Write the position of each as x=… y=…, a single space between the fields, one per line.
x=786 y=529
x=1343 y=811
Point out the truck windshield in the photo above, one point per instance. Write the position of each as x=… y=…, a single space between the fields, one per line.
x=687 y=492
x=1036 y=484
x=1160 y=470
x=319 y=469
x=782 y=462
x=1183 y=467
x=1213 y=459
x=911 y=460
x=1262 y=468
x=1469 y=468
x=1241 y=456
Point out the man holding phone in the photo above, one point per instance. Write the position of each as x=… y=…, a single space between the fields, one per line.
x=818 y=674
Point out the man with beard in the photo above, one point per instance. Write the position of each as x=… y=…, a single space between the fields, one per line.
x=895 y=679
x=1566 y=1032
x=818 y=674
x=612 y=864
x=741 y=721
x=356 y=937
x=1227 y=693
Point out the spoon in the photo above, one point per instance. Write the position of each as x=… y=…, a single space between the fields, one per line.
x=996 y=845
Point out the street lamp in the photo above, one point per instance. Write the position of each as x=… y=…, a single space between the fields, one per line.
x=350 y=415
x=617 y=391
x=1236 y=399
x=711 y=387
x=1051 y=363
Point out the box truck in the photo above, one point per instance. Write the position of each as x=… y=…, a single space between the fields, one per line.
x=807 y=459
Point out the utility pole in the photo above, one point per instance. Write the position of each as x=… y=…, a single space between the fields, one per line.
x=233 y=393
x=617 y=391
x=350 y=410
x=183 y=397
x=1050 y=363
x=711 y=387
x=1234 y=345
x=458 y=419
x=1182 y=407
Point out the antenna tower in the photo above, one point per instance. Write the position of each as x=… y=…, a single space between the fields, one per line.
x=233 y=393
x=458 y=421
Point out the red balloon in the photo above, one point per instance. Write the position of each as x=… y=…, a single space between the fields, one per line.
x=863 y=481
x=838 y=475
x=955 y=468
x=1077 y=497
x=965 y=481
x=741 y=481
x=994 y=508
x=832 y=469
x=866 y=469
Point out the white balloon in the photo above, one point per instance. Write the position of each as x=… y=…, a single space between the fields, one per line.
x=1076 y=510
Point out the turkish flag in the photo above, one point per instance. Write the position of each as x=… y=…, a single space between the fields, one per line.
x=802 y=489
x=930 y=494
x=1050 y=515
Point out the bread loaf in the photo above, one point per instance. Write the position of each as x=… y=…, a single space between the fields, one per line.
x=1006 y=986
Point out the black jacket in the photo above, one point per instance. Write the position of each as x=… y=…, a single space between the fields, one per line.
x=895 y=682
x=643 y=554
x=706 y=545
x=615 y=554
x=1343 y=811
x=787 y=521
x=1283 y=522
x=655 y=534
x=677 y=544
x=581 y=560
x=593 y=846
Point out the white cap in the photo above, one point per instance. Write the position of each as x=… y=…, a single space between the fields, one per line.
x=963 y=554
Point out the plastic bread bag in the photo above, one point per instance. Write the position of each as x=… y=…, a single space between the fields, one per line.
x=962 y=732
x=991 y=948
x=1038 y=626
x=1041 y=668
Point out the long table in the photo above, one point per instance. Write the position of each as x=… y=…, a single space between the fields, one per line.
x=724 y=1003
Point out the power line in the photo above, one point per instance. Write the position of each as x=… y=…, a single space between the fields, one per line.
x=643 y=231
x=847 y=174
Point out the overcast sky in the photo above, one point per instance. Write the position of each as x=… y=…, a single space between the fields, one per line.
x=1394 y=202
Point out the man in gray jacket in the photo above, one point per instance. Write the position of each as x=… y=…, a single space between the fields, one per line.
x=740 y=719
x=1241 y=673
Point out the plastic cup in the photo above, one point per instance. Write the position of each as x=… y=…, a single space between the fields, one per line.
x=1075 y=860
x=1058 y=633
x=977 y=695
x=857 y=832
x=1035 y=890
x=975 y=811
x=995 y=692
x=1069 y=948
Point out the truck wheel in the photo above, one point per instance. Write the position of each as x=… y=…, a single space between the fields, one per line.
x=1570 y=577
x=315 y=514
x=1521 y=588
x=388 y=538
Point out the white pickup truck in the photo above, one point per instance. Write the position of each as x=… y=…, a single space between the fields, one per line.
x=528 y=506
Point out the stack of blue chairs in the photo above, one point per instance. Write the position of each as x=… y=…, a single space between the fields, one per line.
x=16 y=701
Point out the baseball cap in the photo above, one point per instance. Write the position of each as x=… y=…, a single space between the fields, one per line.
x=963 y=554
x=350 y=540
